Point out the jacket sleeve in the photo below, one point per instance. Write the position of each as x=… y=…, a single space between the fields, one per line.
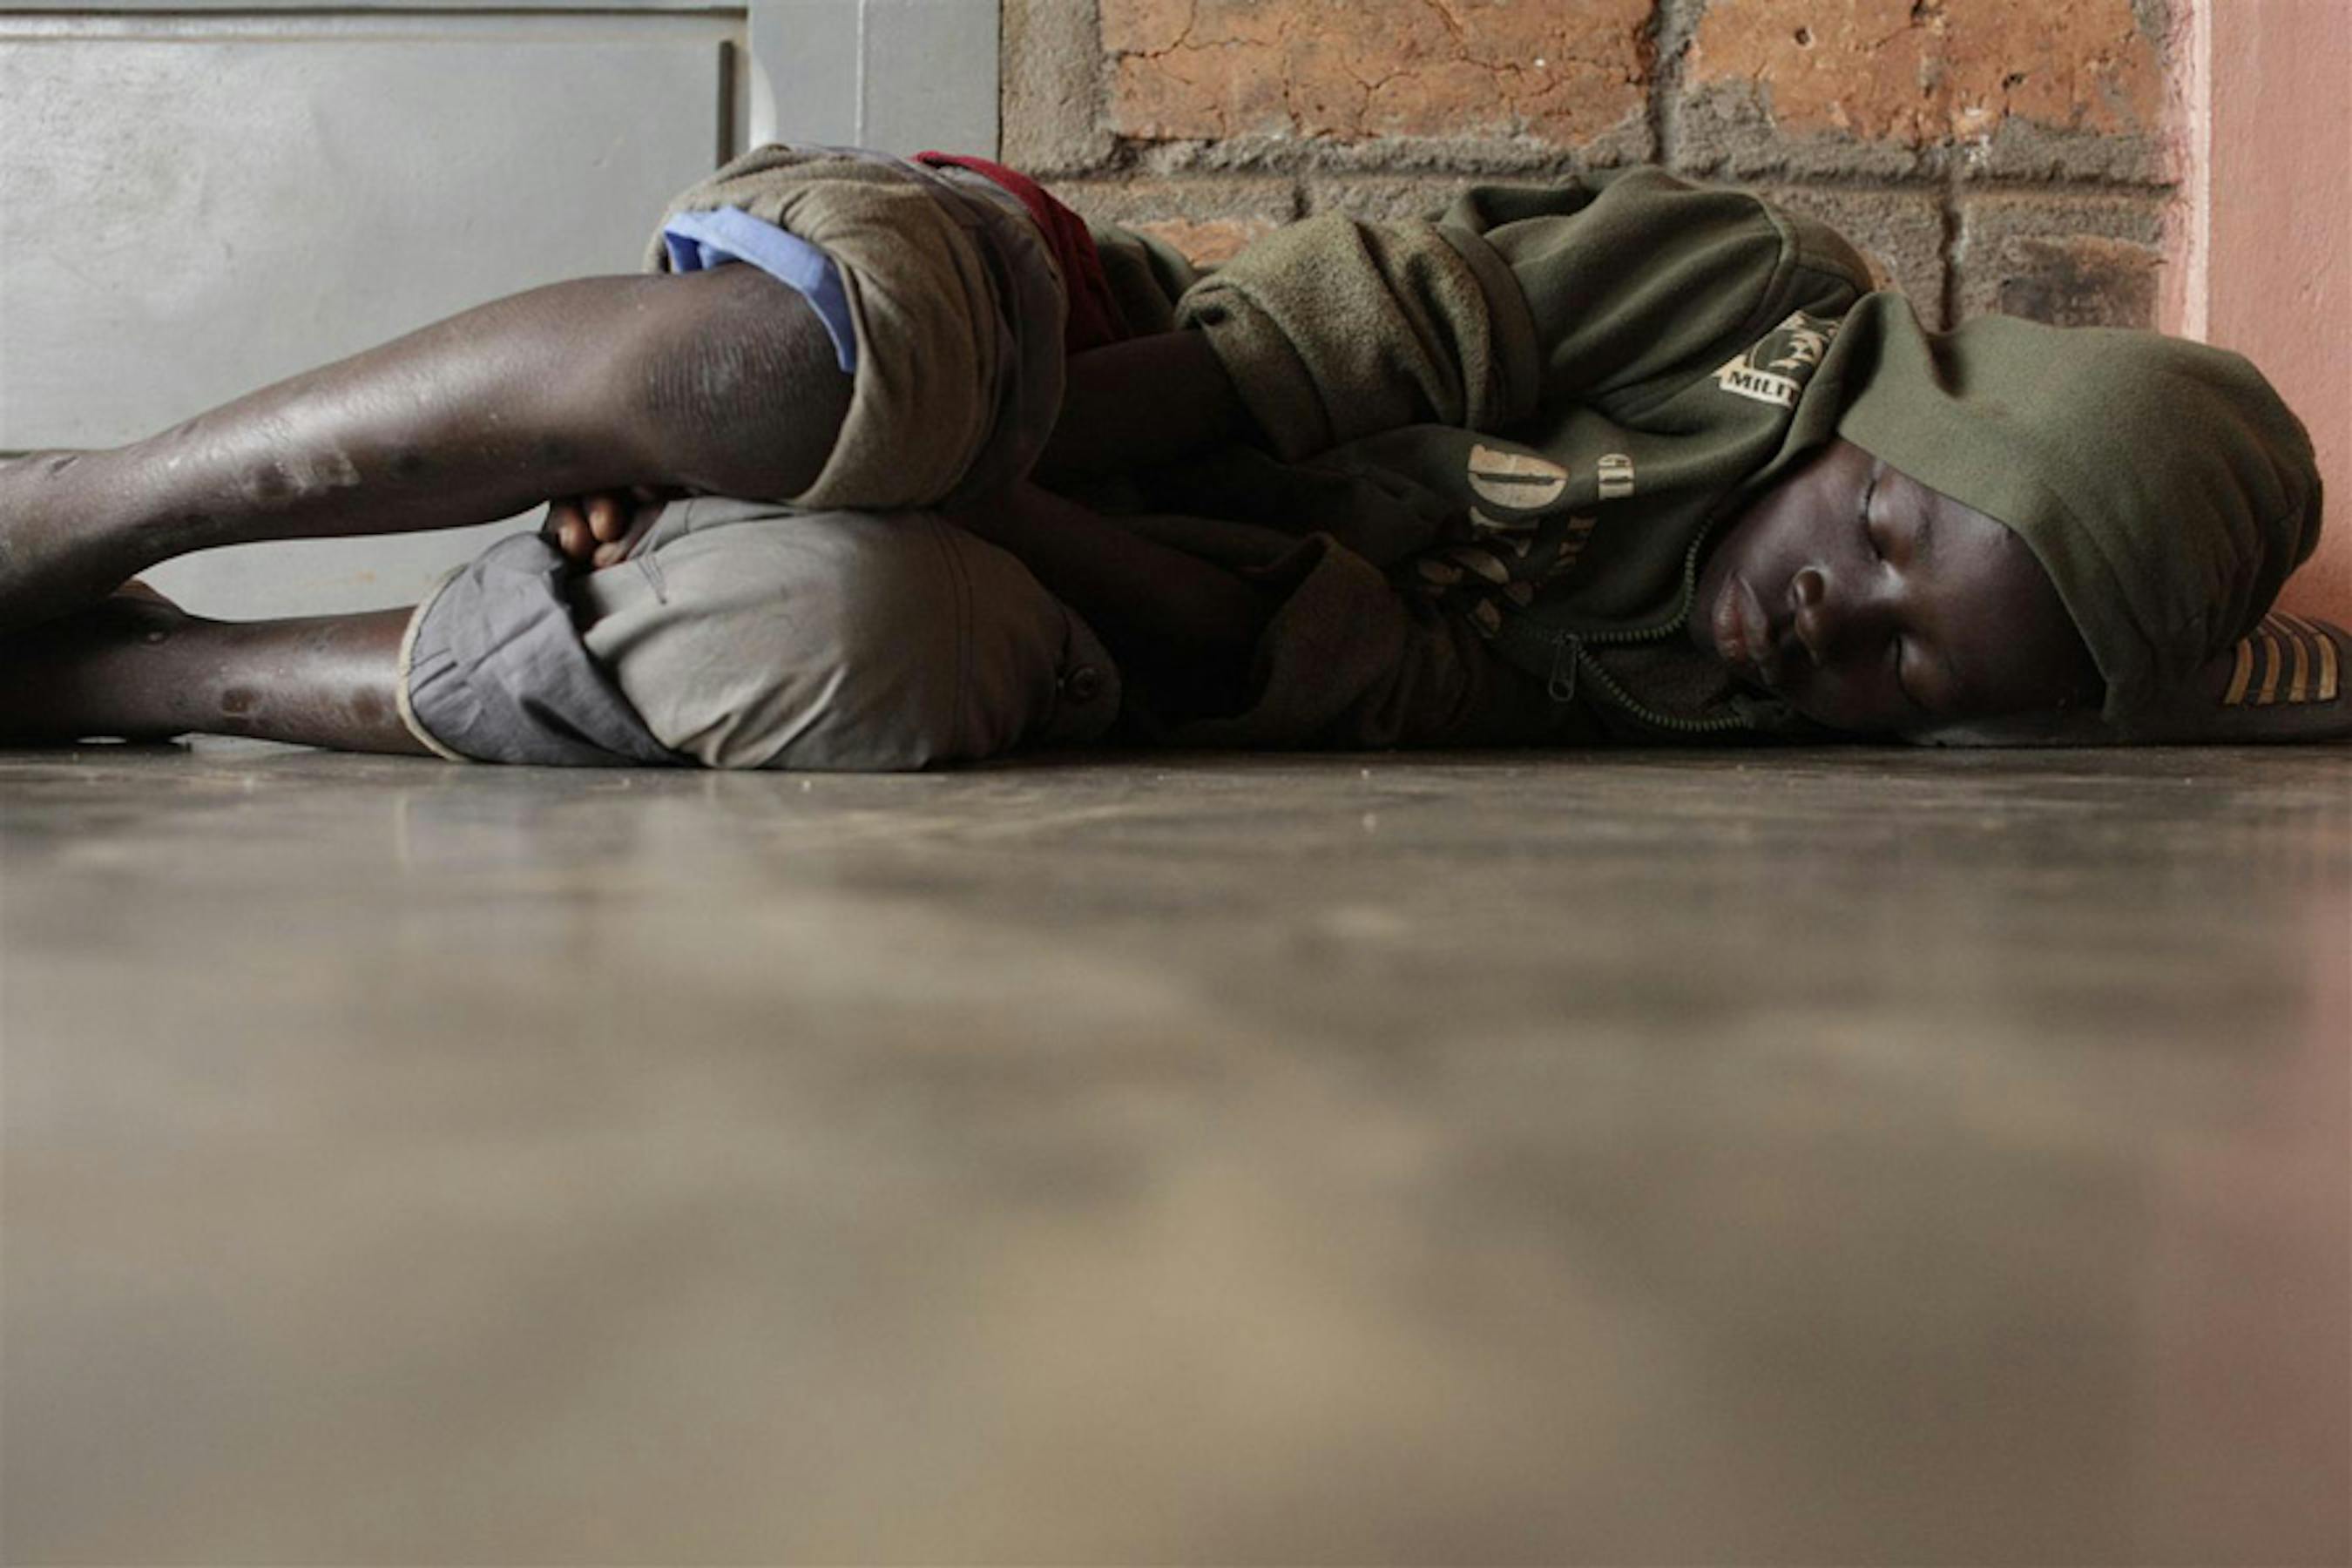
x=1635 y=283
x=1518 y=298
x=1333 y=329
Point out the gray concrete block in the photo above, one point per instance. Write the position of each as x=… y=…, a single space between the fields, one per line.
x=1629 y=141
x=2021 y=149
x=1207 y=220
x=1900 y=231
x=1382 y=198
x=1051 y=93
x=1726 y=131
x=2070 y=258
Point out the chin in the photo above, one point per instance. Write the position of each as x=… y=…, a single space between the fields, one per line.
x=1862 y=727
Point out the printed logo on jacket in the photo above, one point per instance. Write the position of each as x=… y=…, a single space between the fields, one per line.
x=1776 y=368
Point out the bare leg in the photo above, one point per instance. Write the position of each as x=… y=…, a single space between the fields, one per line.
x=142 y=669
x=719 y=381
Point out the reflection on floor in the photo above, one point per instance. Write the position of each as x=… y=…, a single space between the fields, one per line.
x=1857 y=1156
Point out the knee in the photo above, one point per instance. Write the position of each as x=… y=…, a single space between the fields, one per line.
x=848 y=641
x=733 y=384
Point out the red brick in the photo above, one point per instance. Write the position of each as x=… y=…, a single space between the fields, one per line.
x=1913 y=75
x=1353 y=70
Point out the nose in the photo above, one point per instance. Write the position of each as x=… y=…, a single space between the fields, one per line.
x=1830 y=615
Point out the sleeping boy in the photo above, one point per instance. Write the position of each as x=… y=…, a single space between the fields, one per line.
x=894 y=462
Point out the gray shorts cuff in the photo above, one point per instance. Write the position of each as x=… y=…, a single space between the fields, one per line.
x=493 y=670
x=408 y=714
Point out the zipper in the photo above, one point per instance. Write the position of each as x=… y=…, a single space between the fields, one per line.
x=1570 y=664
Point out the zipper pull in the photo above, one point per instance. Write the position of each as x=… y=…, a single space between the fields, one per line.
x=1566 y=654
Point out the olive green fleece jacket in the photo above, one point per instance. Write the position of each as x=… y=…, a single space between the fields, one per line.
x=1525 y=419
x=1494 y=442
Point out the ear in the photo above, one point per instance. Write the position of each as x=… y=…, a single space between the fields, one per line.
x=2290 y=681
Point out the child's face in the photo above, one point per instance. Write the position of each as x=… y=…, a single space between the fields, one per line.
x=1873 y=604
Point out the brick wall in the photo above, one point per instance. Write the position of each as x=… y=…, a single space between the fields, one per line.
x=1988 y=154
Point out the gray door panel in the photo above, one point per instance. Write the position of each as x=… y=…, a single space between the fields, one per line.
x=257 y=203
x=900 y=75
x=192 y=206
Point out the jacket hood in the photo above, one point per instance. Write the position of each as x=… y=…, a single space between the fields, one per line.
x=2162 y=484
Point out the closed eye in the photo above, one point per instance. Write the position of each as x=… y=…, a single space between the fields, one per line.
x=1869 y=535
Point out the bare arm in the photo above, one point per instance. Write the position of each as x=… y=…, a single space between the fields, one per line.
x=1142 y=403
x=1182 y=627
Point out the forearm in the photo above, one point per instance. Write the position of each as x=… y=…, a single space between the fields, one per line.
x=1142 y=403
x=1182 y=627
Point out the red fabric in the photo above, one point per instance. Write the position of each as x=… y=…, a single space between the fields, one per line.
x=1095 y=318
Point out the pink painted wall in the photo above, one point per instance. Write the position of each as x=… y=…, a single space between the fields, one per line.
x=2275 y=267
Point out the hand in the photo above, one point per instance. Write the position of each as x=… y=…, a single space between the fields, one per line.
x=2290 y=681
x=600 y=529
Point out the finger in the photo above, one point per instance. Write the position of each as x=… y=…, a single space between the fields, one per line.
x=639 y=527
x=572 y=538
x=613 y=551
x=560 y=512
x=608 y=516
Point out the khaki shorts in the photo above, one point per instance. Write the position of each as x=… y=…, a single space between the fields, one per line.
x=745 y=635
x=800 y=633
x=957 y=304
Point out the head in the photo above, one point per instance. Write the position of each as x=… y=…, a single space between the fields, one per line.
x=1873 y=604
x=2162 y=487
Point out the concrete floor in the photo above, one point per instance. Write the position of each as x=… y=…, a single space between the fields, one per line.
x=1863 y=1156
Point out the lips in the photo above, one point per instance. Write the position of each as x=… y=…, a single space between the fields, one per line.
x=1743 y=634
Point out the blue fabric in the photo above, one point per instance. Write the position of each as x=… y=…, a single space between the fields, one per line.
x=697 y=241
